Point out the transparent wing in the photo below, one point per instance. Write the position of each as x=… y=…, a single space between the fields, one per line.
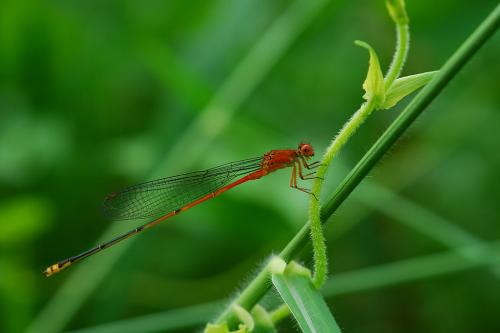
x=162 y=196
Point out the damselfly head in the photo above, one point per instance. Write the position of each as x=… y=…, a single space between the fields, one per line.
x=305 y=150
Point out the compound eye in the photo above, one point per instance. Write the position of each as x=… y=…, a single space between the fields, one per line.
x=306 y=150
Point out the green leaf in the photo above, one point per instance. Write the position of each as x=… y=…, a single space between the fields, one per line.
x=374 y=82
x=397 y=11
x=404 y=86
x=307 y=305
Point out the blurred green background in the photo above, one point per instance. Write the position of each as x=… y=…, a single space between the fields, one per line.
x=95 y=96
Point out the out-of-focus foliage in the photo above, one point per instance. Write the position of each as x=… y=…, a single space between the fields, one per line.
x=93 y=94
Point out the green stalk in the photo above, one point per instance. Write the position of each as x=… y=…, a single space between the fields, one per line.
x=317 y=236
x=259 y=286
x=397 y=11
x=376 y=88
x=280 y=313
x=402 y=47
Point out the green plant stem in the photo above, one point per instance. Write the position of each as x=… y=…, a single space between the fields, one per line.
x=317 y=237
x=402 y=47
x=280 y=313
x=259 y=286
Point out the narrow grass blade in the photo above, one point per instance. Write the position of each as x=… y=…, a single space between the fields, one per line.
x=165 y=321
x=306 y=303
x=414 y=269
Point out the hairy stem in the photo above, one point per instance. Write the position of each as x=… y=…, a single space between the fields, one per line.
x=317 y=237
x=402 y=47
x=281 y=312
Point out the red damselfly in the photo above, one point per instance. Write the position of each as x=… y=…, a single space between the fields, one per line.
x=163 y=198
